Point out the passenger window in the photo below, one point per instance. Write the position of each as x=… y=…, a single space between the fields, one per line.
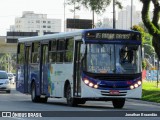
x=52 y=51
x=20 y=51
x=69 y=50
x=35 y=52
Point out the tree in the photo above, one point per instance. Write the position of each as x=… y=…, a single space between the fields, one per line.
x=152 y=25
x=98 y=6
x=146 y=39
x=75 y=5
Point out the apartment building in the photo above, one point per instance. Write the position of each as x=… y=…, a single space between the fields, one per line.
x=31 y=22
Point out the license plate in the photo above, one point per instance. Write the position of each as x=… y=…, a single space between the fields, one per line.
x=114 y=92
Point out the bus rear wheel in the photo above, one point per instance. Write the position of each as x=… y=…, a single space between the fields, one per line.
x=44 y=100
x=70 y=101
x=118 y=103
x=34 y=97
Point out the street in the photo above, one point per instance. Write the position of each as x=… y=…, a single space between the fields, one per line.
x=16 y=101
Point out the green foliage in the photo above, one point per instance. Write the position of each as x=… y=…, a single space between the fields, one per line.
x=143 y=26
x=146 y=40
x=150 y=92
x=140 y=29
x=8 y=62
x=152 y=25
x=144 y=64
x=99 y=6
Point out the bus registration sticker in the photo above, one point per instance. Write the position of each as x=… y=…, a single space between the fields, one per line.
x=114 y=92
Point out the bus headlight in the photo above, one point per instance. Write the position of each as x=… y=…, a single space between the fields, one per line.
x=95 y=86
x=86 y=81
x=131 y=87
x=139 y=82
x=91 y=84
x=135 y=85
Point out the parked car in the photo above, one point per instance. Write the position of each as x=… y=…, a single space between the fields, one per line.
x=14 y=76
x=11 y=77
x=4 y=82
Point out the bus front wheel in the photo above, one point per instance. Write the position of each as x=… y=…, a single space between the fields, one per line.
x=70 y=101
x=118 y=103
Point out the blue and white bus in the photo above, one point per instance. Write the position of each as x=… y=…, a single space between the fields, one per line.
x=92 y=64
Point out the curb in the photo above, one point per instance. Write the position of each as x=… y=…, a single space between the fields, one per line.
x=142 y=101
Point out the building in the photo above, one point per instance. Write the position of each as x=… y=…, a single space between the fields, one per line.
x=124 y=18
x=107 y=23
x=31 y=22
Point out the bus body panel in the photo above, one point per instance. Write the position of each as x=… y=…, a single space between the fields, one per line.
x=35 y=77
x=88 y=92
x=20 y=78
x=45 y=81
x=58 y=74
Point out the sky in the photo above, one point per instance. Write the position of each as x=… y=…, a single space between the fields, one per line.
x=10 y=9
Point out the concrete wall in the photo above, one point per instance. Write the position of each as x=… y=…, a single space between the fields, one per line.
x=7 y=47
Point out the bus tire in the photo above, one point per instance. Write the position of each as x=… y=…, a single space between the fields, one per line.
x=70 y=101
x=81 y=101
x=118 y=103
x=34 y=97
x=44 y=100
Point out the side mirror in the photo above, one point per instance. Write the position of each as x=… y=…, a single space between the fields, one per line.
x=83 y=47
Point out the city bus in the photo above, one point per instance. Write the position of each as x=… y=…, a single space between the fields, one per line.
x=80 y=66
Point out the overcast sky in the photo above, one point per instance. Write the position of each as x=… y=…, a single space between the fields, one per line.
x=10 y=9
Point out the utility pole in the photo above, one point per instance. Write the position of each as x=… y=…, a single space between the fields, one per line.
x=131 y=12
x=64 y=16
x=93 y=19
x=114 y=15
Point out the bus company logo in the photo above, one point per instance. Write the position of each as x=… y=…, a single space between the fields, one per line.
x=6 y=114
x=57 y=73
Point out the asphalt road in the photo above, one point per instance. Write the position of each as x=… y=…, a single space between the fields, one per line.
x=16 y=101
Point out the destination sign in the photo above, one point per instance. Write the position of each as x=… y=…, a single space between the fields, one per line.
x=112 y=36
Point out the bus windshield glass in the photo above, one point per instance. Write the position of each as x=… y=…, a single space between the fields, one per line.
x=112 y=58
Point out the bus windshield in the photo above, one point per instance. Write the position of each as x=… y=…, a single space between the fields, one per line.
x=112 y=58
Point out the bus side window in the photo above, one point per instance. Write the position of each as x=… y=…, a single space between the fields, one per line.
x=60 y=50
x=52 y=51
x=35 y=52
x=20 y=51
x=69 y=50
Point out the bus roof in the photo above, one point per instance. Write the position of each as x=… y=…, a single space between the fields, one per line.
x=70 y=34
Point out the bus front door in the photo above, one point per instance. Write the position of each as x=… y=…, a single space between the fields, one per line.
x=43 y=69
x=77 y=70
